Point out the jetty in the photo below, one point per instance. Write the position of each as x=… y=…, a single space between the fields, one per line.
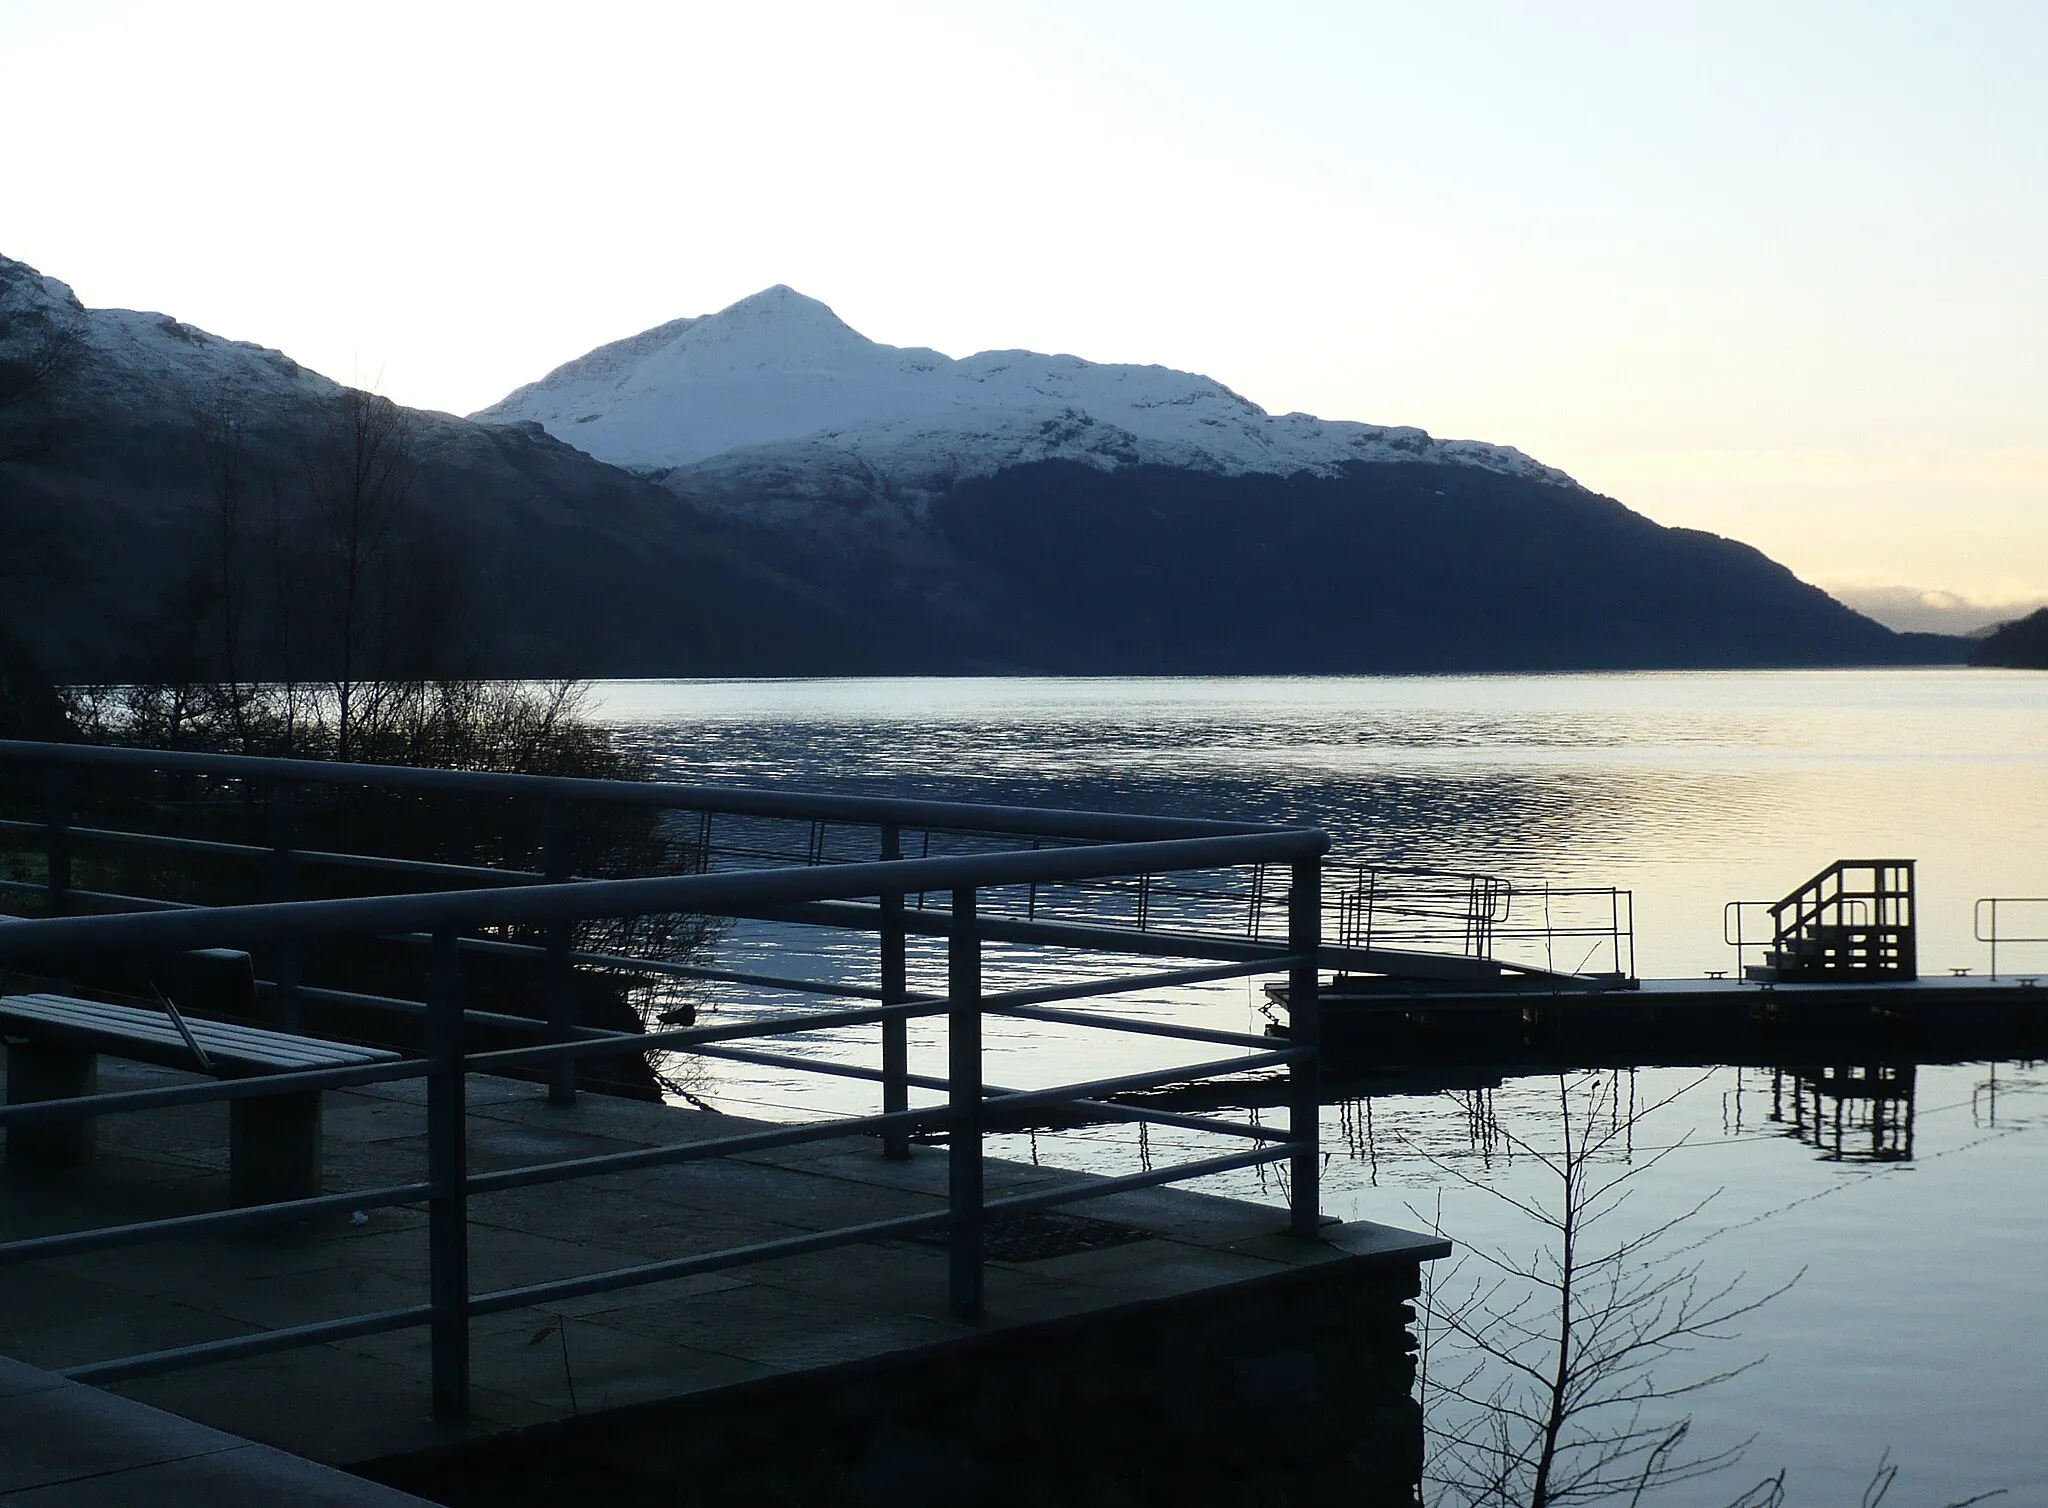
x=1835 y=968
x=301 y=1149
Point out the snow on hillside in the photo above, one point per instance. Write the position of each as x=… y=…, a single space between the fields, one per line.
x=150 y=364
x=778 y=384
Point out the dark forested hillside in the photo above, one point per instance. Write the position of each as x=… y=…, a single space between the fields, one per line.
x=2021 y=644
x=1385 y=568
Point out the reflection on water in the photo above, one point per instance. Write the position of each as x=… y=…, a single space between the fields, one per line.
x=1849 y=1114
x=1914 y=1324
x=1916 y=1320
x=1559 y=1366
x=1908 y=1195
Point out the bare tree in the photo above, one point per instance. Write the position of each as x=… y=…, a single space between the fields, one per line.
x=358 y=462
x=221 y=421
x=1558 y=1379
x=38 y=353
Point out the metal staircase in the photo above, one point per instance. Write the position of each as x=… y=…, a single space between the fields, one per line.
x=1851 y=923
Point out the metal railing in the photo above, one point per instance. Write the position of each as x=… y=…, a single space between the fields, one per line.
x=990 y=895
x=1383 y=906
x=1736 y=935
x=1381 y=910
x=1984 y=922
x=1580 y=930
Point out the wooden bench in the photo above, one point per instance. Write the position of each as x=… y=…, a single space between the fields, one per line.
x=53 y=1048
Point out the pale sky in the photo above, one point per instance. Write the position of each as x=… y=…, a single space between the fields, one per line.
x=1772 y=270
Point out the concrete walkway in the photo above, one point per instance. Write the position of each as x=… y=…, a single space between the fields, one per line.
x=360 y=1399
x=63 y=1445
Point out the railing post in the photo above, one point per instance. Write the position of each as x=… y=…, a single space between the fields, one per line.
x=284 y=1005
x=558 y=977
x=1305 y=1032
x=963 y=1082
x=895 y=990
x=57 y=852
x=448 y=1177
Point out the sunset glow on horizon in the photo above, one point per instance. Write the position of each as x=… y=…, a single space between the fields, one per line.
x=1770 y=271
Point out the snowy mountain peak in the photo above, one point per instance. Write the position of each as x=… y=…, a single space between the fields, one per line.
x=777 y=385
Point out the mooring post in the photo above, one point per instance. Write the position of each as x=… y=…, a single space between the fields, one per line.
x=448 y=1178
x=284 y=1004
x=1305 y=1033
x=963 y=1085
x=57 y=842
x=558 y=981
x=895 y=990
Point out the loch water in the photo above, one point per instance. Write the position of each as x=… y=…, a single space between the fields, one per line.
x=1914 y=1330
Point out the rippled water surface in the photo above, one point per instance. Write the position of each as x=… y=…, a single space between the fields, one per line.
x=1691 y=789
x=1916 y=1323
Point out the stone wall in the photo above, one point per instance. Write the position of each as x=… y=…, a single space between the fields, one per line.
x=1294 y=1391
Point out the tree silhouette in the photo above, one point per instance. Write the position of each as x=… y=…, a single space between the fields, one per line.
x=1561 y=1385
x=358 y=462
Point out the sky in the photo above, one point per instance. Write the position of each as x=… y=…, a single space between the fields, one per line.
x=1769 y=270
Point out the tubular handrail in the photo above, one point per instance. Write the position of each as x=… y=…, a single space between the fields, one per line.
x=709 y=894
x=1987 y=906
x=736 y=800
x=864 y=894
x=1740 y=941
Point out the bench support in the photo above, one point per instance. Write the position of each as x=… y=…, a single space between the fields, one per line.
x=273 y=1148
x=48 y=1071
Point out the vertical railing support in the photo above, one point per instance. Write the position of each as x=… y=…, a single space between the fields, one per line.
x=284 y=1004
x=895 y=990
x=57 y=841
x=1304 y=1033
x=448 y=1178
x=963 y=1082
x=558 y=978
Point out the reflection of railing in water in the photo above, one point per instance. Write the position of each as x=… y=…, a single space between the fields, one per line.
x=1984 y=922
x=1853 y=1114
x=1984 y=1093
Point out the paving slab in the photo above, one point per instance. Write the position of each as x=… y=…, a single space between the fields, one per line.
x=63 y=1445
x=369 y=1396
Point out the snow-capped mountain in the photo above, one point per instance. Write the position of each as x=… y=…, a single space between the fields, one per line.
x=763 y=491
x=139 y=362
x=777 y=384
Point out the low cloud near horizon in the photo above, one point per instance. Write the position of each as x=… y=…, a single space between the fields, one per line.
x=1912 y=609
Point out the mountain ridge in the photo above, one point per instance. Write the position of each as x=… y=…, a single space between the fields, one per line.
x=1089 y=548
x=777 y=380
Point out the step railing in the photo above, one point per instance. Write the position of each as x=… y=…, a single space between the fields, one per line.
x=1853 y=920
x=2028 y=911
